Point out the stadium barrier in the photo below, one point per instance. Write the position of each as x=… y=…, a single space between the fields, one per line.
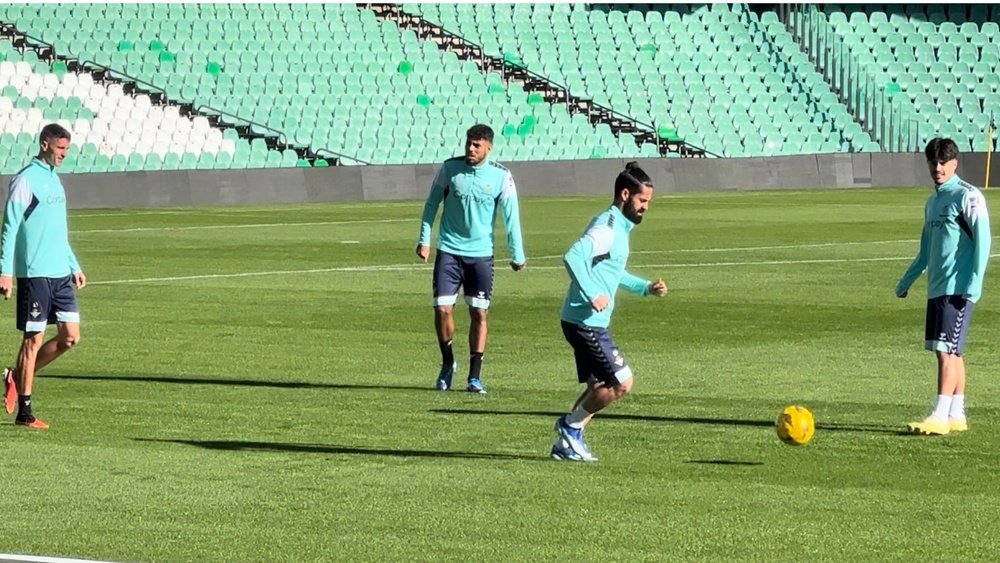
x=581 y=177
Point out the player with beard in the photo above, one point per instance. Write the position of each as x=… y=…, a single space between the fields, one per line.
x=596 y=265
x=472 y=190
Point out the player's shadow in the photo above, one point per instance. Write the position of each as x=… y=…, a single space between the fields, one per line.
x=724 y=462
x=332 y=449
x=836 y=427
x=238 y=382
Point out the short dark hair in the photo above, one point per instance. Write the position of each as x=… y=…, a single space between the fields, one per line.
x=941 y=150
x=52 y=132
x=479 y=132
x=632 y=178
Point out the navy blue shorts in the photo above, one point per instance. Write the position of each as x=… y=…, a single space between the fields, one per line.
x=45 y=301
x=475 y=275
x=948 y=319
x=596 y=354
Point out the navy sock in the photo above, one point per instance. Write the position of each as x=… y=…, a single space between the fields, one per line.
x=24 y=406
x=475 y=365
x=447 y=356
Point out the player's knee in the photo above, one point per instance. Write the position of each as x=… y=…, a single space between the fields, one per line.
x=32 y=344
x=443 y=311
x=624 y=387
x=69 y=336
x=479 y=315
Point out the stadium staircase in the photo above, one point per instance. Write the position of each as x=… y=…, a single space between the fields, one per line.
x=509 y=68
x=328 y=76
x=910 y=72
x=712 y=75
x=819 y=91
x=248 y=144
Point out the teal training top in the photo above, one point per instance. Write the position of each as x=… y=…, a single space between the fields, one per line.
x=471 y=196
x=35 y=239
x=596 y=265
x=954 y=244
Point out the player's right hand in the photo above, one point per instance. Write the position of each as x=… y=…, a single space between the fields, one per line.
x=600 y=303
x=423 y=252
x=658 y=288
x=6 y=286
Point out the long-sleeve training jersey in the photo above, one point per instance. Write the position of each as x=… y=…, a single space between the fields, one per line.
x=472 y=195
x=954 y=244
x=596 y=265
x=35 y=239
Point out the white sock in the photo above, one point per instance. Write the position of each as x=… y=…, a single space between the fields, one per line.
x=957 y=407
x=942 y=408
x=575 y=419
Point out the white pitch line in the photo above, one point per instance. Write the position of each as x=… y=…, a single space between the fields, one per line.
x=758 y=263
x=427 y=268
x=755 y=248
x=243 y=226
x=12 y=558
x=252 y=209
x=752 y=248
x=387 y=268
x=129 y=214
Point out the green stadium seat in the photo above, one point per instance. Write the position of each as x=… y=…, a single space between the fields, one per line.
x=118 y=163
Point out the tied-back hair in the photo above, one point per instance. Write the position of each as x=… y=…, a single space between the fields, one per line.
x=632 y=179
x=53 y=132
x=941 y=150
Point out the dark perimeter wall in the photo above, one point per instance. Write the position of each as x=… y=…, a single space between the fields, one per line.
x=582 y=177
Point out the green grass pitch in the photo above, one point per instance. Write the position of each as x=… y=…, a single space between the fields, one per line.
x=255 y=384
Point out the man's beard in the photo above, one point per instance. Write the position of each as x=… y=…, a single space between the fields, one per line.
x=633 y=215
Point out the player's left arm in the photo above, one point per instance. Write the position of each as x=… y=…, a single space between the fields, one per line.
x=641 y=286
x=512 y=221
x=79 y=278
x=978 y=219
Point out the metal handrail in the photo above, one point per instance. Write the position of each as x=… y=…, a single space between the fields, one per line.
x=340 y=156
x=41 y=42
x=282 y=137
x=135 y=79
x=537 y=76
x=857 y=92
x=703 y=149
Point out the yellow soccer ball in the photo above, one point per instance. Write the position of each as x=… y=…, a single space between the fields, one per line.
x=795 y=426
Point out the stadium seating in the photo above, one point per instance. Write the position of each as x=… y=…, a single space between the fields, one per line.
x=720 y=77
x=334 y=77
x=112 y=131
x=326 y=76
x=943 y=61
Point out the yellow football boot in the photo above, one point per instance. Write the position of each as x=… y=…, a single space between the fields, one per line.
x=929 y=427
x=958 y=424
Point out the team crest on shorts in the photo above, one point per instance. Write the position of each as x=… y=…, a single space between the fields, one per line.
x=35 y=310
x=618 y=359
